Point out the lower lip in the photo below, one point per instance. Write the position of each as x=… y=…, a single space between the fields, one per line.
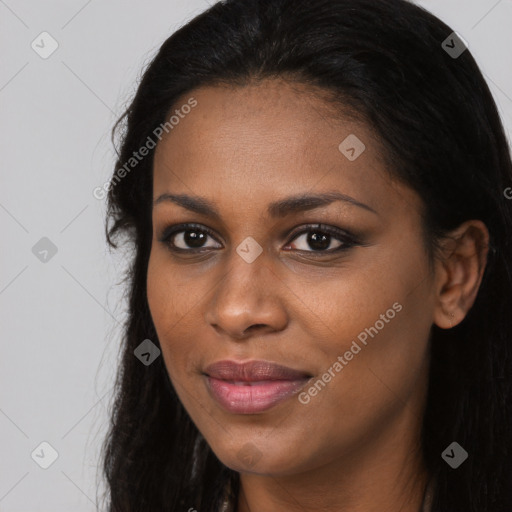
x=257 y=397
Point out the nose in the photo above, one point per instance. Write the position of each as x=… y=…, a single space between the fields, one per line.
x=247 y=301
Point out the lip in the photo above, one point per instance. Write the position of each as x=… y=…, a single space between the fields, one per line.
x=253 y=386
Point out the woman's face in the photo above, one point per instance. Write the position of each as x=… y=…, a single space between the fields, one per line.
x=347 y=307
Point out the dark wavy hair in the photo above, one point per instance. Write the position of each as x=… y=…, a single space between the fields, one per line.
x=442 y=135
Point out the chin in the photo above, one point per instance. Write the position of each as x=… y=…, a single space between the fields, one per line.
x=261 y=458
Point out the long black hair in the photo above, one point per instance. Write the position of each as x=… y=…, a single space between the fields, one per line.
x=385 y=61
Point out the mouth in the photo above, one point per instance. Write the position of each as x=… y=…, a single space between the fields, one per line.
x=254 y=386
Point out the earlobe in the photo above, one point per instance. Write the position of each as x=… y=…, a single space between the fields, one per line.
x=459 y=272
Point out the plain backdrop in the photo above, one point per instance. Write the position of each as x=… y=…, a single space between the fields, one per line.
x=60 y=301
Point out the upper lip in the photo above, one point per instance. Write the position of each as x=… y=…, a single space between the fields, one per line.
x=253 y=371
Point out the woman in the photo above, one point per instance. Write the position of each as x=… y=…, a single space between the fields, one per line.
x=314 y=192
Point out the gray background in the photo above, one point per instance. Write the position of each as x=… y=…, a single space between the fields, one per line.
x=61 y=317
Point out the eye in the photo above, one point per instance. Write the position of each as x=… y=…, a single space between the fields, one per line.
x=318 y=238
x=322 y=239
x=187 y=238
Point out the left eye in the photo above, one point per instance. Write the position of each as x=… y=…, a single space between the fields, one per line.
x=321 y=240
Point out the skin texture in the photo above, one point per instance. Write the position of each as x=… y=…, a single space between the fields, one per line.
x=355 y=445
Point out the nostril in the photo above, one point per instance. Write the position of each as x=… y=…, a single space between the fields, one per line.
x=255 y=326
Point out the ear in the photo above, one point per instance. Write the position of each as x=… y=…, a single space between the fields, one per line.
x=459 y=272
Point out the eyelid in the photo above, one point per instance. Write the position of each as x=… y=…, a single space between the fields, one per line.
x=324 y=228
x=347 y=239
x=174 y=229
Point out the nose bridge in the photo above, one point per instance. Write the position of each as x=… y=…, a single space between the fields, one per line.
x=247 y=295
x=246 y=279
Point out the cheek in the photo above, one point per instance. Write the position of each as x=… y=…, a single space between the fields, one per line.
x=160 y=300
x=379 y=325
x=168 y=307
x=384 y=366
x=171 y=300
x=383 y=379
x=172 y=310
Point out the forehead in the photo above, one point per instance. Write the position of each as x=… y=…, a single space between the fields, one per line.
x=250 y=116
x=270 y=138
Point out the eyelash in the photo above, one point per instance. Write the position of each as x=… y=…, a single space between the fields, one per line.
x=348 y=240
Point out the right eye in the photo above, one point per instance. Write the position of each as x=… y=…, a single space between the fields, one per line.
x=187 y=238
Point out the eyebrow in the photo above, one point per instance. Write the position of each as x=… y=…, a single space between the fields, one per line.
x=276 y=209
